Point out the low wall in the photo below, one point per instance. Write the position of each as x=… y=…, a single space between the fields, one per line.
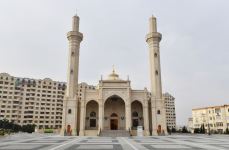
x=91 y=132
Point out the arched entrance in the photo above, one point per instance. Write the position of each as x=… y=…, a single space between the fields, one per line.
x=114 y=121
x=69 y=130
x=92 y=108
x=114 y=113
x=136 y=114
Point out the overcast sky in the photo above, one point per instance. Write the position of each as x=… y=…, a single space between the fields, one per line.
x=194 y=46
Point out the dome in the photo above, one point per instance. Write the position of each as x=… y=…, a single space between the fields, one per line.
x=113 y=76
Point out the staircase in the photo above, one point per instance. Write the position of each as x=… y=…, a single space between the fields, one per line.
x=114 y=133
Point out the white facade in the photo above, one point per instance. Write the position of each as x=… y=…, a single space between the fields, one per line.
x=190 y=125
x=215 y=118
x=114 y=105
x=170 y=110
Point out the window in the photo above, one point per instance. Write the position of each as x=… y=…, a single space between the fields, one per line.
x=155 y=54
x=158 y=112
x=93 y=114
x=135 y=114
x=114 y=115
x=135 y=122
x=92 y=123
x=69 y=111
x=156 y=72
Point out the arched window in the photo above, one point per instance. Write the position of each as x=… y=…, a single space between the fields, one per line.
x=69 y=111
x=155 y=54
x=93 y=120
x=93 y=114
x=135 y=114
x=156 y=72
x=114 y=115
x=158 y=112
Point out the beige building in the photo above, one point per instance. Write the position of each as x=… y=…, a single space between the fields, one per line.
x=170 y=110
x=113 y=105
x=40 y=101
x=31 y=101
x=215 y=118
x=190 y=125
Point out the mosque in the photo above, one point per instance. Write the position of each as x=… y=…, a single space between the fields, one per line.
x=113 y=105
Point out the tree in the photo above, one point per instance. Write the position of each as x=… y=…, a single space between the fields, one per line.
x=8 y=127
x=174 y=130
x=197 y=130
x=202 y=129
x=28 y=128
x=169 y=130
x=227 y=131
x=184 y=129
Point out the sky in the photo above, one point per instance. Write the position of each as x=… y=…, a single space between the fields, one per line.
x=194 y=47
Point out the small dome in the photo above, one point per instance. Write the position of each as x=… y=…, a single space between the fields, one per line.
x=113 y=76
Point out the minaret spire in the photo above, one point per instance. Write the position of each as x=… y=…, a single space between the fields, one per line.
x=152 y=24
x=70 y=105
x=153 y=39
x=75 y=23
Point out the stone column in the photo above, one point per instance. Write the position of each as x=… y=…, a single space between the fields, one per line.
x=82 y=118
x=154 y=117
x=128 y=115
x=101 y=115
x=146 y=120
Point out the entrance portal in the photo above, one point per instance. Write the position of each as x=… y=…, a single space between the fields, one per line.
x=114 y=124
x=114 y=113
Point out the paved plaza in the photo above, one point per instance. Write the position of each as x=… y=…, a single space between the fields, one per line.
x=56 y=142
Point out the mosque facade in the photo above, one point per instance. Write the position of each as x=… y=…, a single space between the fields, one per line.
x=113 y=105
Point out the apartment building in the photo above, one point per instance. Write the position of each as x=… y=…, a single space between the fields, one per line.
x=170 y=110
x=33 y=101
x=214 y=118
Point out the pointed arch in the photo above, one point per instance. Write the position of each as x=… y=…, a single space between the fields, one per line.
x=114 y=113
x=92 y=110
x=137 y=114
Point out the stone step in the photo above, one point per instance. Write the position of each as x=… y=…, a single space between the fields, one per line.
x=114 y=133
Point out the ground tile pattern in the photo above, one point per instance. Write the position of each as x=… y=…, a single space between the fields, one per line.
x=56 y=142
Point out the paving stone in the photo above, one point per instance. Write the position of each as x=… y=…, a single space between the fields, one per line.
x=23 y=147
x=178 y=142
x=95 y=147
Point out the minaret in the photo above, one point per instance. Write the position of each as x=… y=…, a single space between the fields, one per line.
x=153 y=39
x=69 y=119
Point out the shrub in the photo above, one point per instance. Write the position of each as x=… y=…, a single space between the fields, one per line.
x=174 y=130
x=2 y=133
x=28 y=128
x=197 y=130
x=184 y=130
x=48 y=130
x=227 y=131
x=9 y=127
